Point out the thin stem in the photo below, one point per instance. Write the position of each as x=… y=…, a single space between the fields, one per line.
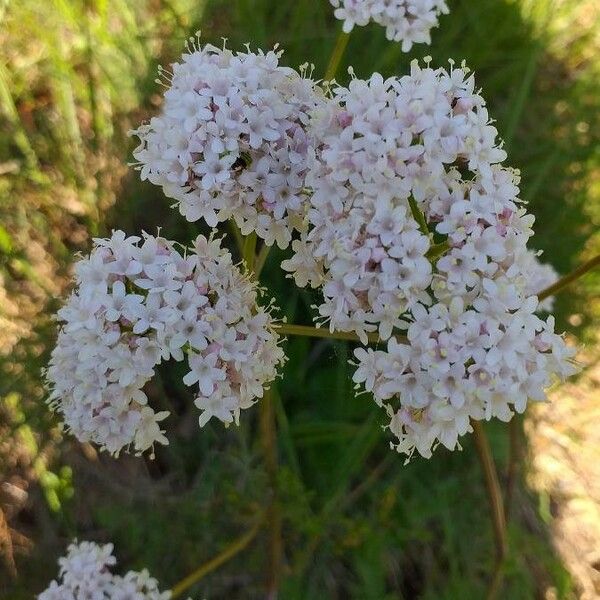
x=214 y=563
x=239 y=240
x=248 y=252
x=514 y=455
x=320 y=332
x=261 y=259
x=418 y=216
x=570 y=278
x=275 y=543
x=494 y=493
x=336 y=55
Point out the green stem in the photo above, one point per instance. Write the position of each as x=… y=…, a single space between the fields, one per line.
x=239 y=239
x=214 y=563
x=494 y=493
x=570 y=278
x=336 y=55
x=261 y=259
x=437 y=250
x=418 y=216
x=320 y=332
x=268 y=434
x=249 y=250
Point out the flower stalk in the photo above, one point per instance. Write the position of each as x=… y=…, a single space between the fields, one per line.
x=214 y=563
x=492 y=485
x=570 y=278
x=337 y=54
x=268 y=436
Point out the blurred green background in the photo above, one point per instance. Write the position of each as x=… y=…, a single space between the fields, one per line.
x=75 y=76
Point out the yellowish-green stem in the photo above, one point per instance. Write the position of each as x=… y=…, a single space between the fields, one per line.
x=570 y=278
x=492 y=486
x=260 y=260
x=323 y=332
x=214 y=563
x=248 y=253
x=336 y=55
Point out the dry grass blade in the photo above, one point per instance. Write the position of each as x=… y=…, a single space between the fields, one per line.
x=6 y=546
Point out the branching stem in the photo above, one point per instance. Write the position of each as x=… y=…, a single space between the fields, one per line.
x=570 y=278
x=322 y=332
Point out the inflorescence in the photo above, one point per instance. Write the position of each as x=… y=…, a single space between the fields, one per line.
x=141 y=302
x=231 y=140
x=406 y=21
x=414 y=225
x=403 y=216
x=85 y=574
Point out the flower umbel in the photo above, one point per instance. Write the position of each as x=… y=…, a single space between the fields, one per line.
x=85 y=574
x=139 y=302
x=415 y=225
x=231 y=140
x=406 y=21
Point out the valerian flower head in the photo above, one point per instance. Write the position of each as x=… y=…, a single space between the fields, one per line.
x=388 y=151
x=85 y=574
x=414 y=225
x=231 y=140
x=139 y=302
x=461 y=364
x=406 y=21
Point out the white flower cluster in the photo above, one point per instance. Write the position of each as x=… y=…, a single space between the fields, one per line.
x=231 y=140
x=139 y=303
x=387 y=150
x=406 y=221
x=462 y=364
x=85 y=575
x=414 y=225
x=406 y=21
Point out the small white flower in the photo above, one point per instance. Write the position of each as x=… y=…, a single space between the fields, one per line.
x=204 y=372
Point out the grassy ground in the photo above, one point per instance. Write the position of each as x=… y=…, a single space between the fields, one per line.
x=355 y=522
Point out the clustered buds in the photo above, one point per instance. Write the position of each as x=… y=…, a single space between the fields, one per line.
x=231 y=140
x=85 y=574
x=138 y=303
x=406 y=21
